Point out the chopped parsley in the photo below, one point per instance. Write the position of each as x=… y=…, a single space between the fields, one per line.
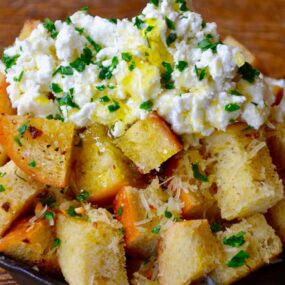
x=68 y=21
x=127 y=56
x=83 y=196
x=138 y=23
x=234 y=92
x=248 y=73
x=235 y=240
x=22 y=129
x=79 y=30
x=201 y=72
x=85 y=59
x=67 y=100
x=113 y=20
x=32 y=164
x=101 y=87
x=132 y=66
x=183 y=5
x=170 y=24
x=104 y=99
x=154 y=2
x=71 y=212
x=166 y=77
x=106 y=71
x=55 y=117
x=63 y=70
x=147 y=105
x=96 y=46
x=56 y=243
x=120 y=211
x=9 y=61
x=49 y=216
x=17 y=141
x=48 y=200
x=238 y=260
x=171 y=39
x=156 y=230
x=232 y=107
x=197 y=174
x=148 y=30
x=2 y=188
x=203 y=24
x=2 y=174
x=56 y=88
x=84 y=8
x=207 y=43
x=182 y=65
x=50 y=27
x=114 y=107
x=19 y=78
x=168 y=214
x=215 y=227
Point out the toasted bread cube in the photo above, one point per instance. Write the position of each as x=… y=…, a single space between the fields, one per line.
x=5 y=104
x=100 y=168
x=40 y=147
x=276 y=144
x=192 y=181
x=3 y=156
x=91 y=252
x=141 y=211
x=31 y=243
x=142 y=280
x=249 y=56
x=18 y=191
x=260 y=246
x=27 y=29
x=276 y=218
x=149 y=143
x=187 y=251
x=246 y=177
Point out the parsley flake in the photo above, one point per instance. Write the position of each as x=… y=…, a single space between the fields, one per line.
x=215 y=227
x=248 y=73
x=182 y=65
x=138 y=23
x=68 y=21
x=56 y=243
x=67 y=100
x=168 y=214
x=71 y=212
x=22 y=129
x=207 y=43
x=83 y=196
x=156 y=230
x=166 y=77
x=9 y=61
x=183 y=5
x=84 y=8
x=96 y=46
x=120 y=211
x=56 y=88
x=101 y=87
x=106 y=72
x=113 y=21
x=63 y=70
x=170 y=24
x=201 y=72
x=55 y=117
x=19 y=78
x=127 y=56
x=2 y=188
x=49 y=216
x=238 y=260
x=154 y=2
x=114 y=107
x=33 y=164
x=235 y=240
x=234 y=92
x=197 y=174
x=17 y=141
x=104 y=99
x=2 y=174
x=171 y=39
x=232 y=107
x=147 y=105
x=132 y=66
x=50 y=27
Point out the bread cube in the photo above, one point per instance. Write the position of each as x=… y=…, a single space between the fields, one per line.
x=249 y=56
x=31 y=243
x=100 y=168
x=276 y=218
x=149 y=143
x=192 y=181
x=142 y=280
x=143 y=213
x=18 y=191
x=40 y=147
x=91 y=250
x=27 y=29
x=255 y=239
x=5 y=104
x=187 y=251
x=246 y=177
x=3 y=156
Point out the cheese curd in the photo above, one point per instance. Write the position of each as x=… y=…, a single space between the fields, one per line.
x=114 y=72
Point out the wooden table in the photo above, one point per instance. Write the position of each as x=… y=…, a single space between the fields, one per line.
x=260 y=25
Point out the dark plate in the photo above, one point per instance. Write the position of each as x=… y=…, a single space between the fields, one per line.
x=24 y=275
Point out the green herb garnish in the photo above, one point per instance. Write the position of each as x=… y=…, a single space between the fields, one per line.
x=2 y=188
x=17 y=141
x=68 y=21
x=9 y=61
x=126 y=56
x=201 y=72
x=49 y=216
x=113 y=20
x=50 y=27
x=83 y=196
x=106 y=71
x=156 y=229
x=71 y=212
x=32 y=164
x=168 y=214
x=238 y=260
x=22 y=129
x=234 y=92
x=56 y=243
x=232 y=107
x=171 y=39
x=147 y=105
x=170 y=24
x=154 y=2
x=120 y=211
x=183 y=5
x=63 y=70
x=235 y=240
x=19 y=78
x=207 y=43
x=55 y=117
x=104 y=99
x=181 y=65
x=56 y=88
x=138 y=23
x=197 y=174
x=101 y=87
x=67 y=100
x=215 y=227
x=248 y=73
x=2 y=174
x=114 y=107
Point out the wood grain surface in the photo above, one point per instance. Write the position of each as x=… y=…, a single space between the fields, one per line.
x=259 y=24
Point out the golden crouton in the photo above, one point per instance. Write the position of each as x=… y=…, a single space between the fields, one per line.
x=40 y=147
x=192 y=181
x=247 y=246
x=100 y=168
x=245 y=175
x=148 y=143
x=5 y=104
x=3 y=156
x=249 y=56
x=32 y=243
x=91 y=252
x=187 y=251
x=143 y=213
x=18 y=191
x=27 y=29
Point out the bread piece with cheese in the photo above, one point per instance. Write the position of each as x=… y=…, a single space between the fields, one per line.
x=144 y=213
x=91 y=250
x=17 y=192
x=100 y=168
x=32 y=243
x=192 y=180
x=40 y=147
x=5 y=104
x=247 y=246
x=3 y=156
x=28 y=27
x=187 y=251
x=246 y=177
x=249 y=56
x=149 y=143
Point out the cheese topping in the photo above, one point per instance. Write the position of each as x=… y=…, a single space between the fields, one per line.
x=89 y=69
